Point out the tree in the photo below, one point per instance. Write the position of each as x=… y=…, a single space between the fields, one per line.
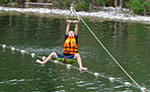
x=129 y=5
x=121 y=4
x=60 y=4
x=116 y=4
x=91 y=8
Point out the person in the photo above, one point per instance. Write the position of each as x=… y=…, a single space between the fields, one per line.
x=70 y=47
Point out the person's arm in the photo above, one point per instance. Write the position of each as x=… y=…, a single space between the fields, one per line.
x=68 y=26
x=76 y=27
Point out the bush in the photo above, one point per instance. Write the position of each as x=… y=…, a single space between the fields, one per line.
x=101 y=2
x=3 y=1
x=83 y=6
x=139 y=6
x=66 y=3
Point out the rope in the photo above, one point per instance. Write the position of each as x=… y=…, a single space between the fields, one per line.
x=108 y=52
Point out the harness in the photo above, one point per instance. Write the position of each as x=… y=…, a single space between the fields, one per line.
x=64 y=60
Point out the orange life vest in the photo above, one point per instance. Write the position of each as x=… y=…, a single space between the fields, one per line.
x=70 y=46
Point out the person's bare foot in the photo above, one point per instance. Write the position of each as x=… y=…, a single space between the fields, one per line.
x=83 y=69
x=40 y=62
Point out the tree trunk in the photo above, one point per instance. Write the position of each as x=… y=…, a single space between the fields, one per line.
x=27 y=0
x=116 y=5
x=90 y=8
x=144 y=7
x=60 y=4
x=10 y=1
x=121 y=4
x=91 y=5
x=79 y=1
x=104 y=5
x=64 y=4
x=27 y=6
x=21 y=3
x=130 y=2
x=144 y=11
x=40 y=1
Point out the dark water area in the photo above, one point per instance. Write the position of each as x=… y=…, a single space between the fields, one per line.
x=129 y=43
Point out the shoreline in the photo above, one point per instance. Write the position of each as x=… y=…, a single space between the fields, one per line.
x=105 y=15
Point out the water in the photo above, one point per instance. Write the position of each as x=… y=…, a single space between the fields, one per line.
x=128 y=43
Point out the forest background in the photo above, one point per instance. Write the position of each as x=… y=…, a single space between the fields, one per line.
x=141 y=7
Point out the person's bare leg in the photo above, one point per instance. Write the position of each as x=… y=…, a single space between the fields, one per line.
x=77 y=56
x=53 y=54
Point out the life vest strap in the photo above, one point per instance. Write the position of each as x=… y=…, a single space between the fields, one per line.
x=71 y=47
x=65 y=59
x=70 y=51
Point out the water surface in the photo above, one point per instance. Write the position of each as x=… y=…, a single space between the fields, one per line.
x=129 y=43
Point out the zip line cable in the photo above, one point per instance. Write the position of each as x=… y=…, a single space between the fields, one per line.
x=80 y=18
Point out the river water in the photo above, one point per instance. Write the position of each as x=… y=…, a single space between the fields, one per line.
x=129 y=43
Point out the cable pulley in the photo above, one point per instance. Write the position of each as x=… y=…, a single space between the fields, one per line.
x=72 y=11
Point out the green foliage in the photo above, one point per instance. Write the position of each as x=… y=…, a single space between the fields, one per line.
x=127 y=4
x=101 y=2
x=77 y=6
x=138 y=6
x=56 y=4
x=3 y=1
x=83 y=6
x=67 y=3
x=148 y=8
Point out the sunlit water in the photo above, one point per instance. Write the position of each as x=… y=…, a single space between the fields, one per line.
x=129 y=43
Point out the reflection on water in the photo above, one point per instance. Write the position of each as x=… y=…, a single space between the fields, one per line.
x=129 y=44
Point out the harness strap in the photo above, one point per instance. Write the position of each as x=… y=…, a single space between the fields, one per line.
x=65 y=59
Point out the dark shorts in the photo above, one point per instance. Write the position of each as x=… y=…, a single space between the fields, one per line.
x=67 y=56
